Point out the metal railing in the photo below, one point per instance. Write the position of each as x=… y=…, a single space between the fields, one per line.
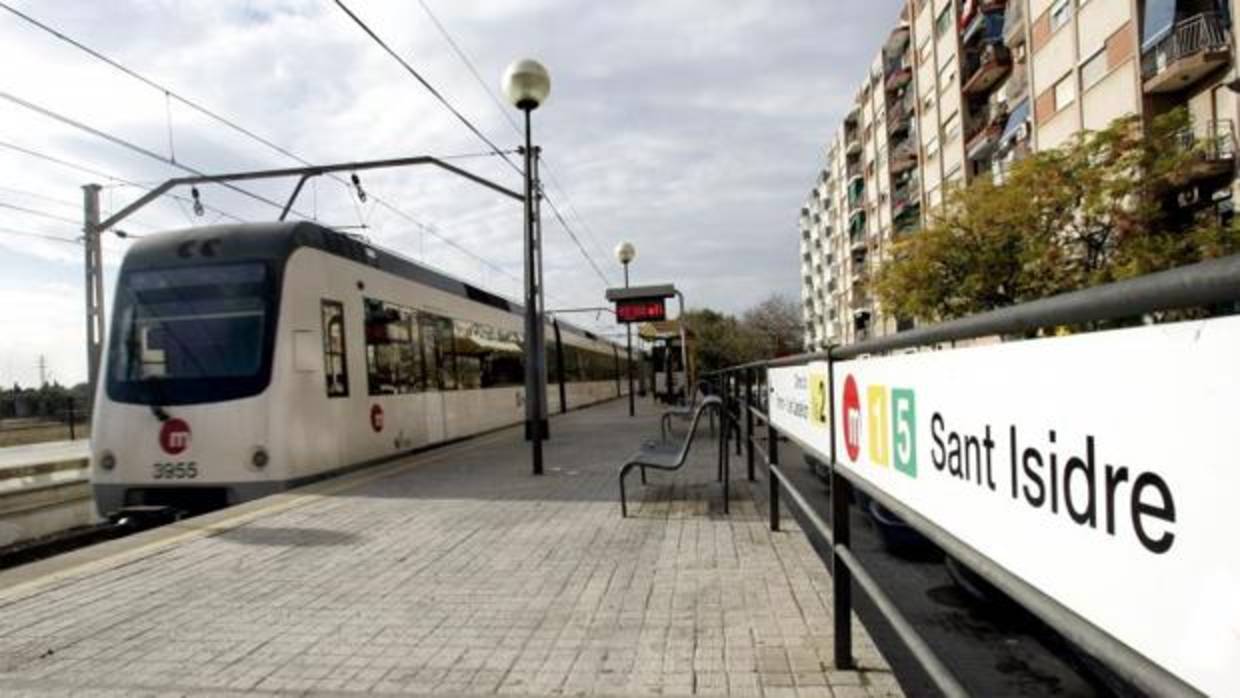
x=1207 y=284
x=1211 y=140
x=1202 y=32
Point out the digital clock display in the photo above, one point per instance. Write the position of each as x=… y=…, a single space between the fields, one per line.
x=640 y=310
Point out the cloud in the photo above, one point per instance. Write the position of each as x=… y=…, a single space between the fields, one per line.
x=694 y=129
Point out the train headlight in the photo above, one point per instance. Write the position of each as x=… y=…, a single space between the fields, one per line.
x=107 y=461
x=260 y=458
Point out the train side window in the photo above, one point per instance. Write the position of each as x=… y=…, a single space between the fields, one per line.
x=437 y=351
x=393 y=364
x=467 y=348
x=335 y=361
x=447 y=356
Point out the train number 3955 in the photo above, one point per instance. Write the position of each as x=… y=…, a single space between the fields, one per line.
x=175 y=471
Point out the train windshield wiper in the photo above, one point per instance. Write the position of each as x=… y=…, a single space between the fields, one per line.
x=157 y=405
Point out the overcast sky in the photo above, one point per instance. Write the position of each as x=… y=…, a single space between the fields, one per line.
x=693 y=128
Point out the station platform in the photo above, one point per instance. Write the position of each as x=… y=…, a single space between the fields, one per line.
x=452 y=572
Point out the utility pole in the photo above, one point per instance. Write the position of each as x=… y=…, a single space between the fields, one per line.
x=544 y=424
x=94 y=286
x=42 y=370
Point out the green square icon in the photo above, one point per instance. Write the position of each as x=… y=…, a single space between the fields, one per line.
x=904 y=430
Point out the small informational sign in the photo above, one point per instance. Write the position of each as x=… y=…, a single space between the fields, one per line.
x=1100 y=468
x=641 y=310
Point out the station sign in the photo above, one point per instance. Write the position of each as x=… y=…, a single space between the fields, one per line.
x=1100 y=468
x=641 y=310
x=641 y=303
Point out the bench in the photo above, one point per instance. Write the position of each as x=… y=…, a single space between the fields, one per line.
x=685 y=411
x=661 y=455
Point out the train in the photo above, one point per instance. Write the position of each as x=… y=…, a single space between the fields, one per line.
x=249 y=359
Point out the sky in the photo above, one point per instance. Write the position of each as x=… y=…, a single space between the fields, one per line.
x=692 y=128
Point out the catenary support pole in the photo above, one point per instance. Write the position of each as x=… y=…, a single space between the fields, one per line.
x=544 y=424
x=94 y=286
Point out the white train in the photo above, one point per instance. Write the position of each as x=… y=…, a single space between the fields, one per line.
x=247 y=359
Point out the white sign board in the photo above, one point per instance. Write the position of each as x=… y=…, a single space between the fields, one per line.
x=1103 y=469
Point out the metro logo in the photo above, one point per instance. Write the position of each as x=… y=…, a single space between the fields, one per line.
x=174 y=436
x=852 y=419
x=891 y=414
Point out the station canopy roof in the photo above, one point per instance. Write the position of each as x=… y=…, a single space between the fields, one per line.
x=663 y=329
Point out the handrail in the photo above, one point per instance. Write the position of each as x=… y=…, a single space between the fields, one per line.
x=1210 y=283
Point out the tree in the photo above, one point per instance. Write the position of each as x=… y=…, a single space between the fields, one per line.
x=776 y=321
x=1103 y=208
x=720 y=340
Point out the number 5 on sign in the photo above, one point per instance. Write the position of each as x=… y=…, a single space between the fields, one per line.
x=904 y=428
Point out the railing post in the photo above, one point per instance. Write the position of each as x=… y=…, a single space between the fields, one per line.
x=749 y=378
x=841 y=577
x=772 y=446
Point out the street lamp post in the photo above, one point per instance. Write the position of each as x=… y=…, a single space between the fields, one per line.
x=526 y=84
x=625 y=253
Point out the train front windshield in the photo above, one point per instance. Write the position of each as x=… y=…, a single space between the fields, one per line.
x=191 y=334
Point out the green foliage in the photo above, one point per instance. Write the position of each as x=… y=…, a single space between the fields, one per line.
x=1100 y=209
x=771 y=328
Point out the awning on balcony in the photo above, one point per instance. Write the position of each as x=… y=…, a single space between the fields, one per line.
x=1018 y=116
x=1159 y=19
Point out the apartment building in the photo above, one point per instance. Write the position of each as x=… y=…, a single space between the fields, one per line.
x=959 y=89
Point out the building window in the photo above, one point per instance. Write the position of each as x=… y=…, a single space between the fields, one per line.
x=1094 y=69
x=932 y=149
x=1065 y=92
x=946 y=75
x=1061 y=12
x=923 y=51
x=951 y=127
x=335 y=362
x=944 y=22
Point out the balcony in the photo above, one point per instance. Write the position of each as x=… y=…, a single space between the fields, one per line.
x=1213 y=145
x=994 y=62
x=902 y=158
x=1014 y=24
x=853 y=171
x=898 y=77
x=900 y=114
x=981 y=141
x=1189 y=50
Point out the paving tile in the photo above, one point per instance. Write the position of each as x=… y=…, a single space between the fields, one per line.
x=461 y=573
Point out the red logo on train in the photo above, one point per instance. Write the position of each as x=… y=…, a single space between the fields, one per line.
x=174 y=436
x=852 y=419
x=376 y=418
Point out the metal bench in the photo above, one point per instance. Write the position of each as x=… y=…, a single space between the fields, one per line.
x=686 y=411
x=661 y=455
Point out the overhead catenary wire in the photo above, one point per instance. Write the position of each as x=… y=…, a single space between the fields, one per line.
x=40 y=236
x=170 y=94
x=516 y=128
x=469 y=125
x=40 y=214
x=105 y=175
x=128 y=145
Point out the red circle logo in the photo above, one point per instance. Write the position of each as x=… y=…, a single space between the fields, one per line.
x=376 y=418
x=174 y=436
x=852 y=419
